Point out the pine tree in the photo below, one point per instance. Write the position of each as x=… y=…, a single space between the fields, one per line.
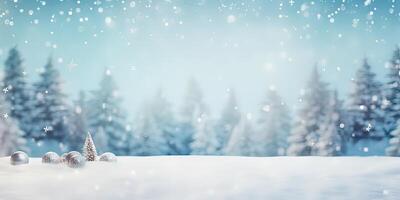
x=205 y=140
x=89 y=149
x=306 y=131
x=148 y=137
x=391 y=103
x=274 y=125
x=79 y=123
x=229 y=119
x=241 y=141
x=11 y=137
x=100 y=139
x=105 y=112
x=161 y=111
x=365 y=105
x=18 y=93
x=51 y=113
x=394 y=142
x=330 y=142
x=193 y=108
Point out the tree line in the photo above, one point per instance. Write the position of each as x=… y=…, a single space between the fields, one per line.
x=38 y=118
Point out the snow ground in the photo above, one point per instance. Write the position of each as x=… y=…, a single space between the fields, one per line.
x=197 y=177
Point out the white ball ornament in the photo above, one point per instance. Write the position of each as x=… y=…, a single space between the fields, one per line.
x=70 y=155
x=51 y=158
x=108 y=157
x=19 y=158
x=77 y=161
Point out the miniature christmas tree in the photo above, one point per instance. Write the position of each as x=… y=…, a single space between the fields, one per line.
x=89 y=150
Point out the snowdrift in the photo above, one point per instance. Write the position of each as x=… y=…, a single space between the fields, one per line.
x=203 y=177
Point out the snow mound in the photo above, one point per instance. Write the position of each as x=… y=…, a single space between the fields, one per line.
x=196 y=177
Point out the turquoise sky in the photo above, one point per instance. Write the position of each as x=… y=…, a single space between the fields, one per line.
x=246 y=45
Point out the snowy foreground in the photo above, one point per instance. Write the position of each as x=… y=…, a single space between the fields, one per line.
x=206 y=178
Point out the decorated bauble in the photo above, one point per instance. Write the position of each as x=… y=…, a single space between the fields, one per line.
x=108 y=157
x=19 y=158
x=76 y=161
x=70 y=155
x=51 y=158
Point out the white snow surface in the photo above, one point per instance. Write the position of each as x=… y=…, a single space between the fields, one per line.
x=206 y=177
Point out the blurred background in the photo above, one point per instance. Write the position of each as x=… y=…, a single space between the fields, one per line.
x=200 y=77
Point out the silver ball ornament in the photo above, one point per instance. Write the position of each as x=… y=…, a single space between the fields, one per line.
x=108 y=157
x=19 y=158
x=51 y=158
x=76 y=161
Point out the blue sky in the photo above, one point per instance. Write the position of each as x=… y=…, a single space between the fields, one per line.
x=246 y=45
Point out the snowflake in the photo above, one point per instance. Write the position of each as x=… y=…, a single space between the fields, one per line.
x=5 y=90
x=47 y=129
x=369 y=127
x=231 y=19
x=72 y=64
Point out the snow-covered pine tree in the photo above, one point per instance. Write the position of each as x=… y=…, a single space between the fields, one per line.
x=241 y=141
x=50 y=114
x=11 y=137
x=89 y=149
x=205 y=141
x=161 y=112
x=193 y=108
x=394 y=143
x=105 y=112
x=148 y=138
x=391 y=103
x=306 y=131
x=16 y=90
x=365 y=105
x=78 y=123
x=330 y=142
x=229 y=118
x=273 y=125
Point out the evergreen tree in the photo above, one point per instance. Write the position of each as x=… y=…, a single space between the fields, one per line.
x=51 y=113
x=365 y=105
x=100 y=139
x=148 y=138
x=306 y=131
x=391 y=103
x=11 y=137
x=89 y=149
x=241 y=141
x=79 y=123
x=105 y=112
x=229 y=119
x=193 y=108
x=161 y=112
x=274 y=125
x=17 y=91
x=298 y=144
x=205 y=140
x=394 y=142
x=330 y=142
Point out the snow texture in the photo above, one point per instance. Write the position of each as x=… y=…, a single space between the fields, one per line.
x=208 y=177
